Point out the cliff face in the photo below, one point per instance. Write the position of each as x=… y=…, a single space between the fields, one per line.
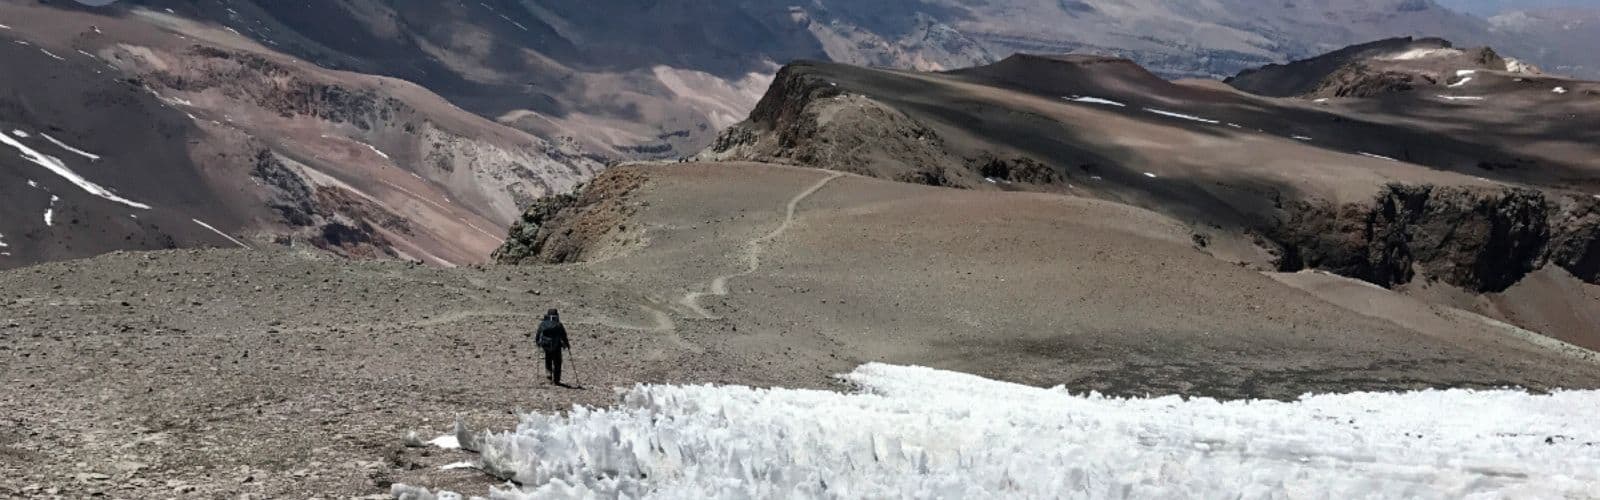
x=1479 y=239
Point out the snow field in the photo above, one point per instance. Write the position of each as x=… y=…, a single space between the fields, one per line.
x=912 y=432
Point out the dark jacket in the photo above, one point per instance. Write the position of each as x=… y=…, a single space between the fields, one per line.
x=552 y=335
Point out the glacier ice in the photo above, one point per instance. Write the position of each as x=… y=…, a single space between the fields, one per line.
x=911 y=432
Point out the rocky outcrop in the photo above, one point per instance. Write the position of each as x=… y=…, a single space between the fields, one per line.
x=574 y=227
x=329 y=218
x=807 y=119
x=1361 y=80
x=1475 y=238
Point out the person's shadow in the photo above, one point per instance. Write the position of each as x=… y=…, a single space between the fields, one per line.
x=565 y=385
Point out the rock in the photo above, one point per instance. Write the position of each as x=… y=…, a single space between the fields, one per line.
x=1475 y=238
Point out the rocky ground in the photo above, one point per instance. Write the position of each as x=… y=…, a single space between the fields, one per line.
x=211 y=374
x=276 y=373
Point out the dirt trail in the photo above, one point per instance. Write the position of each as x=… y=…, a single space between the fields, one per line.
x=753 y=250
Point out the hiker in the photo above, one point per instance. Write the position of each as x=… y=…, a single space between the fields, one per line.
x=552 y=337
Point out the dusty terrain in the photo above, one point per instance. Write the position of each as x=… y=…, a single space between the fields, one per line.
x=204 y=374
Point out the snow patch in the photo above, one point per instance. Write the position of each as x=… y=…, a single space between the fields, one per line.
x=4 y=27
x=1321 y=100
x=1515 y=66
x=990 y=180
x=1415 y=54
x=1460 y=83
x=222 y=234
x=1465 y=72
x=3 y=241
x=50 y=212
x=1182 y=116
x=1560 y=90
x=56 y=165
x=1150 y=175
x=62 y=145
x=1370 y=155
x=911 y=432
x=458 y=465
x=20 y=134
x=447 y=441
x=1460 y=98
x=52 y=55
x=1096 y=100
x=1300 y=138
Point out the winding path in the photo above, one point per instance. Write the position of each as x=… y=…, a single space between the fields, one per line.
x=753 y=250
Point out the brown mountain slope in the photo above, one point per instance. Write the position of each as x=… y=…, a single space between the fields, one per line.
x=206 y=126
x=1377 y=68
x=1473 y=186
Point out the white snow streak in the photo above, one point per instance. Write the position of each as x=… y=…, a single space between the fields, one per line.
x=3 y=241
x=1465 y=72
x=1181 y=115
x=55 y=165
x=20 y=134
x=1150 y=175
x=4 y=27
x=1096 y=100
x=1460 y=98
x=220 y=233
x=1560 y=90
x=1460 y=83
x=921 y=433
x=458 y=465
x=375 y=150
x=1300 y=137
x=1370 y=155
x=52 y=55
x=63 y=145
